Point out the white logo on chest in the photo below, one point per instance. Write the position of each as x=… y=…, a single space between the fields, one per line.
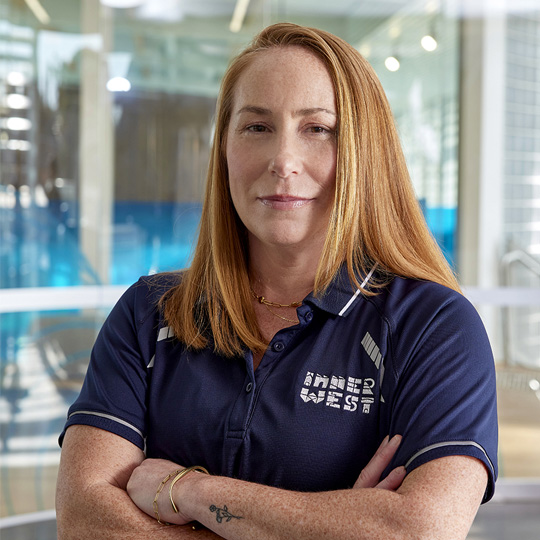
x=338 y=392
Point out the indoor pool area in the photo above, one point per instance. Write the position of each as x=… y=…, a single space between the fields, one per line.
x=123 y=139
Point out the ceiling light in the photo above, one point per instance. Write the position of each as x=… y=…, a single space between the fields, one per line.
x=15 y=144
x=118 y=84
x=17 y=101
x=392 y=63
x=39 y=11
x=16 y=124
x=432 y=6
x=394 y=31
x=365 y=50
x=122 y=4
x=16 y=78
x=429 y=43
x=238 y=16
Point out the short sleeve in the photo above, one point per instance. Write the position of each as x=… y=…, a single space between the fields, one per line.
x=113 y=396
x=444 y=402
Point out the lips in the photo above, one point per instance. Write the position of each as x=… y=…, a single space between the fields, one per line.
x=284 y=202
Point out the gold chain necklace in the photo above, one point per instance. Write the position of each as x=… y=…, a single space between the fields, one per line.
x=262 y=300
x=279 y=316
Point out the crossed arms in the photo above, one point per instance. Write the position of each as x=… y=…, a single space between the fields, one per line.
x=98 y=469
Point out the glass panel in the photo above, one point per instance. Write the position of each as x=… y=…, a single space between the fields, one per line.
x=519 y=374
x=416 y=58
x=106 y=117
x=44 y=360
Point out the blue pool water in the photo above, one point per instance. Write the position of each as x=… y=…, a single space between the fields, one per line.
x=39 y=247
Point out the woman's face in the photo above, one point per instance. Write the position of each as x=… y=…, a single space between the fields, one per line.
x=281 y=148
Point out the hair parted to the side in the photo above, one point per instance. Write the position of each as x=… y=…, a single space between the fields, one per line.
x=375 y=218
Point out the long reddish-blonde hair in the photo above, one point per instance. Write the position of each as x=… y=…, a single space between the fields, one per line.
x=375 y=217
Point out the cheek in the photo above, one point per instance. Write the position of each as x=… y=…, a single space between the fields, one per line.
x=324 y=165
x=243 y=164
x=237 y=179
x=234 y=158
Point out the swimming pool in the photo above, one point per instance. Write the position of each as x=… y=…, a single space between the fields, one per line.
x=39 y=247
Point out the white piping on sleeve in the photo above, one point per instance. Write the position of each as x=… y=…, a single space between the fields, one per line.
x=449 y=443
x=354 y=296
x=109 y=417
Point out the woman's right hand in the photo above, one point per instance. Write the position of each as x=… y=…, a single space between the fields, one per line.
x=370 y=477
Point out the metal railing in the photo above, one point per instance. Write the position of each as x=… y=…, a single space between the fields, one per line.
x=508 y=261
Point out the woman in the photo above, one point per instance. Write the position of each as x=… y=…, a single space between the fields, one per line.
x=318 y=316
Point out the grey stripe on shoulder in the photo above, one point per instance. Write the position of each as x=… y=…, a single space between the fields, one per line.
x=358 y=291
x=449 y=443
x=109 y=417
x=165 y=333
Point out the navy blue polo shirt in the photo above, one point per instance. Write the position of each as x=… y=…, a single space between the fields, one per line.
x=413 y=360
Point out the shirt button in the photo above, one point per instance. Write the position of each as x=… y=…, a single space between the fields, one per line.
x=278 y=346
x=249 y=386
x=309 y=316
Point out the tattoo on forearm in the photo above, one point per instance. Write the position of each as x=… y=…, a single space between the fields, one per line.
x=223 y=514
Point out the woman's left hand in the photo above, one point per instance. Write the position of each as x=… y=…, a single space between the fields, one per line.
x=144 y=484
x=370 y=477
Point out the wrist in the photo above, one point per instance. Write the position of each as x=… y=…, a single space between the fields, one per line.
x=183 y=493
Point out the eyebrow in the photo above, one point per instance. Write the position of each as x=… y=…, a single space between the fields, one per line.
x=301 y=112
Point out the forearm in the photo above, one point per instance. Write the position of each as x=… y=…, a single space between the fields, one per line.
x=104 y=511
x=439 y=500
x=91 y=500
x=255 y=511
x=236 y=509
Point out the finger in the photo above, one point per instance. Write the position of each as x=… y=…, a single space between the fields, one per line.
x=383 y=443
x=370 y=475
x=394 y=480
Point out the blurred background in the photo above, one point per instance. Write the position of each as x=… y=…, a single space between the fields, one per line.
x=106 y=117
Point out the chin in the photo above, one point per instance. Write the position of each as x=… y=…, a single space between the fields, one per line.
x=291 y=241
x=288 y=236
x=284 y=241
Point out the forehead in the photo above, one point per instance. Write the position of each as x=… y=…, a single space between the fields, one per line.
x=285 y=76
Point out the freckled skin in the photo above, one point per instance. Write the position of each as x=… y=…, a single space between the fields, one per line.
x=281 y=141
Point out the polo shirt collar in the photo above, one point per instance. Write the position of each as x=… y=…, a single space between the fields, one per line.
x=341 y=295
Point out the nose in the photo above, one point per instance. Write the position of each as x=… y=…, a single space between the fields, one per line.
x=286 y=159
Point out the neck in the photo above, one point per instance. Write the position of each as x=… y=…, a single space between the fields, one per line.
x=282 y=275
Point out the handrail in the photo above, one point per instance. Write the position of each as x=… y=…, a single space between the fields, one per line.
x=507 y=260
x=521 y=256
